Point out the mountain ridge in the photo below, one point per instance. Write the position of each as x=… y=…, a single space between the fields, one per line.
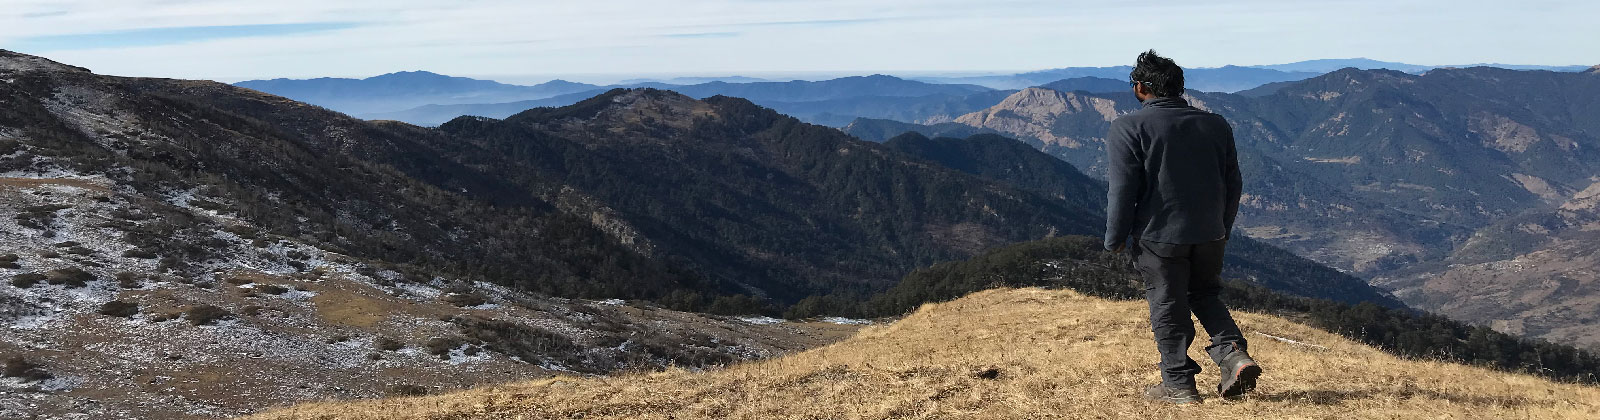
x=225 y=227
x=1088 y=84
x=833 y=101
x=1220 y=79
x=751 y=139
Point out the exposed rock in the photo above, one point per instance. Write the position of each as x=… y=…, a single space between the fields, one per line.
x=1028 y=113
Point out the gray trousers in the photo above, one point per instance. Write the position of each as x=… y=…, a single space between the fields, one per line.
x=1180 y=279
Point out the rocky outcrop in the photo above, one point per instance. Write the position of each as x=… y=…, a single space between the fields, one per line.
x=1028 y=114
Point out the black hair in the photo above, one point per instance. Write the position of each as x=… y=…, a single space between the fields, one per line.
x=1159 y=74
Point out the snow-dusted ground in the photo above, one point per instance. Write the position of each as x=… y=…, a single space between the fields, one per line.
x=330 y=333
x=846 y=321
x=760 y=320
x=316 y=340
x=29 y=63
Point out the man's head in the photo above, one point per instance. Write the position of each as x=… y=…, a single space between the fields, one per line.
x=1155 y=76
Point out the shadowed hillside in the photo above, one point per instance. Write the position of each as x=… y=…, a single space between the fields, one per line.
x=1014 y=353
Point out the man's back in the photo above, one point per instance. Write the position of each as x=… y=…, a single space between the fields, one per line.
x=1175 y=186
x=1174 y=175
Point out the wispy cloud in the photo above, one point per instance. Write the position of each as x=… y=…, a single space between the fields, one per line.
x=232 y=39
x=703 y=35
x=44 y=14
x=816 y=22
x=168 y=36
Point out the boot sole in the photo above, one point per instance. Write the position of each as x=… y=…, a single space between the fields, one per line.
x=1177 y=400
x=1180 y=400
x=1244 y=380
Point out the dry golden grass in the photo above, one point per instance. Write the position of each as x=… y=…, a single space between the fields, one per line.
x=1058 y=355
x=24 y=183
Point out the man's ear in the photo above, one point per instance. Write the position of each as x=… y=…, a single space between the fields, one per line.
x=1140 y=90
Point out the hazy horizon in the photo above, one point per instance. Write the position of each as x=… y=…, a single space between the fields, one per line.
x=237 y=40
x=781 y=76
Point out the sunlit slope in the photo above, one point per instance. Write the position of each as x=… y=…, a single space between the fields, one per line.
x=1014 y=353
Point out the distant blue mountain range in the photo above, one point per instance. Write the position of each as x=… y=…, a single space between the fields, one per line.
x=1221 y=79
x=407 y=89
x=425 y=98
x=831 y=102
x=698 y=80
x=1088 y=84
x=1329 y=65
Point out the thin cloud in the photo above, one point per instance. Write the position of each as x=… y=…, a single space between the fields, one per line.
x=704 y=35
x=169 y=36
x=44 y=14
x=817 y=22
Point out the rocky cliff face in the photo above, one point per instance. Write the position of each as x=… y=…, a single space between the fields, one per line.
x=1028 y=112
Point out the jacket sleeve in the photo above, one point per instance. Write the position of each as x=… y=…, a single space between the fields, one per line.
x=1125 y=174
x=1235 y=183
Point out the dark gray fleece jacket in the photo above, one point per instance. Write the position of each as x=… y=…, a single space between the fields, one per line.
x=1174 y=175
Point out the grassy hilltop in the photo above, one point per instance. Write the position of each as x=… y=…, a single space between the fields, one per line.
x=1013 y=353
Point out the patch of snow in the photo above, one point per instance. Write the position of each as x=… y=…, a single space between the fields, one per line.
x=47 y=385
x=50 y=173
x=419 y=290
x=459 y=356
x=491 y=288
x=846 y=321
x=35 y=321
x=181 y=198
x=57 y=384
x=22 y=63
x=749 y=353
x=298 y=294
x=612 y=302
x=221 y=323
x=760 y=320
x=554 y=366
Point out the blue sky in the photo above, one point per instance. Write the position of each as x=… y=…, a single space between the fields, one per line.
x=235 y=40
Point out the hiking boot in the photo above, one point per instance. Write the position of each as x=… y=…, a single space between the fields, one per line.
x=1161 y=393
x=1239 y=373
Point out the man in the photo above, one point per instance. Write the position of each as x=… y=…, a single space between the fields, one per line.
x=1175 y=188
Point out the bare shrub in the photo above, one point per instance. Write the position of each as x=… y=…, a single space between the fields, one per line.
x=207 y=314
